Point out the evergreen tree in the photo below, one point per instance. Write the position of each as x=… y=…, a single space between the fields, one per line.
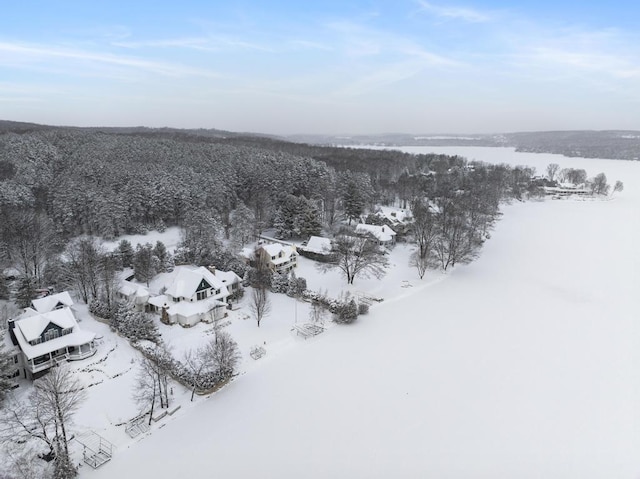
x=354 y=201
x=145 y=263
x=307 y=219
x=243 y=222
x=164 y=257
x=126 y=252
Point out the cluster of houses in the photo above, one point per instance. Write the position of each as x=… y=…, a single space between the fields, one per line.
x=47 y=332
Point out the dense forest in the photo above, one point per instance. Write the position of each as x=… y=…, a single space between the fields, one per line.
x=58 y=184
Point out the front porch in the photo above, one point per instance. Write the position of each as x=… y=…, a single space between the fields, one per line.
x=36 y=367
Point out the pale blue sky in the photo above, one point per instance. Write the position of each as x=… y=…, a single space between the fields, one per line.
x=415 y=66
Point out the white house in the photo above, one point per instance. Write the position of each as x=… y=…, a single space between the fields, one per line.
x=384 y=234
x=281 y=258
x=191 y=294
x=48 y=333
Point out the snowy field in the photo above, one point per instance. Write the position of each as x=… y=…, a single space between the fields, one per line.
x=524 y=364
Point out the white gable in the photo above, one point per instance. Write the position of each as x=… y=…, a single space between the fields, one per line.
x=48 y=303
x=382 y=233
x=183 y=281
x=32 y=326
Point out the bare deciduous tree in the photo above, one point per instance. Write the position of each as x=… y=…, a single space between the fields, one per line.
x=357 y=255
x=152 y=381
x=84 y=264
x=599 y=185
x=425 y=233
x=552 y=171
x=61 y=393
x=619 y=186
x=213 y=363
x=201 y=367
x=260 y=305
x=46 y=416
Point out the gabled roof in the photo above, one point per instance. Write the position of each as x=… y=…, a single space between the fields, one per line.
x=227 y=277
x=276 y=248
x=382 y=233
x=186 y=279
x=48 y=303
x=33 y=325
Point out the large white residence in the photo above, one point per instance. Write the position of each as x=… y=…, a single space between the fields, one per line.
x=48 y=333
x=188 y=294
x=280 y=258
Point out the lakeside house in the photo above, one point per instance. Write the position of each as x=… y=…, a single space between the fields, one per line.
x=188 y=294
x=48 y=333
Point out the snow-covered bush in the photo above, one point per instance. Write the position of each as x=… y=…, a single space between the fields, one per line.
x=134 y=325
x=363 y=308
x=101 y=309
x=347 y=312
x=279 y=283
x=296 y=285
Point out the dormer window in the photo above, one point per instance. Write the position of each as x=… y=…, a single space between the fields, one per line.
x=51 y=334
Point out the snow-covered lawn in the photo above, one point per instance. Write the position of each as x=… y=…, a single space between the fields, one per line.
x=523 y=364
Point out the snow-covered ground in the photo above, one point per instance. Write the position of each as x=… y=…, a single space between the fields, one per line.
x=523 y=364
x=171 y=237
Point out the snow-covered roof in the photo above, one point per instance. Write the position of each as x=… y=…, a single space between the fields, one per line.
x=130 y=290
x=31 y=327
x=275 y=249
x=319 y=245
x=227 y=277
x=382 y=233
x=48 y=303
x=184 y=280
x=188 y=308
x=160 y=301
x=395 y=215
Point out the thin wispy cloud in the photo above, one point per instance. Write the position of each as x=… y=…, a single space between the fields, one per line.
x=454 y=13
x=212 y=44
x=25 y=53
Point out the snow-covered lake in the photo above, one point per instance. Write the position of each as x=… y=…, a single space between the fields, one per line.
x=524 y=364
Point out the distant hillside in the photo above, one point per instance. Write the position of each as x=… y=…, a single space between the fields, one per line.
x=611 y=144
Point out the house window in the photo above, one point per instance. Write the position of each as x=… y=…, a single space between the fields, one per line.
x=176 y=300
x=51 y=334
x=201 y=295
